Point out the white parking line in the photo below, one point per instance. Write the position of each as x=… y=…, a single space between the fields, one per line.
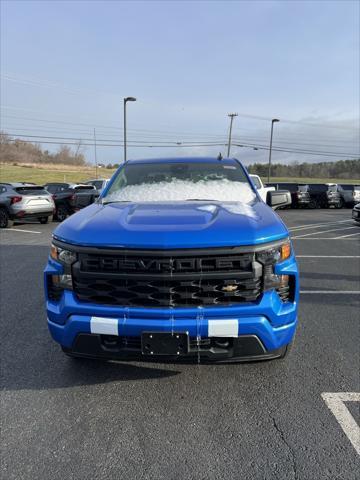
x=351 y=235
x=327 y=256
x=341 y=292
x=20 y=230
x=336 y=403
x=324 y=231
x=316 y=225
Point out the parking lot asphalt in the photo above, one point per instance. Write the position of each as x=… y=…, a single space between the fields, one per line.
x=72 y=419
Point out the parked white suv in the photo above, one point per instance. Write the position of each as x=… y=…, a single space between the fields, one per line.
x=27 y=201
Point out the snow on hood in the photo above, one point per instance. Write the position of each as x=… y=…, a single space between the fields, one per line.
x=222 y=190
x=237 y=208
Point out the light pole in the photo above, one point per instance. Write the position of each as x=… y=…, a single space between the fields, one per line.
x=126 y=99
x=231 y=115
x=96 y=165
x=274 y=120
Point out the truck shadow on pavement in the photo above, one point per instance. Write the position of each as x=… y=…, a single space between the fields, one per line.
x=52 y=372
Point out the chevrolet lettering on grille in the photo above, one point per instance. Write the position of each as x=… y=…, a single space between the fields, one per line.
x=162 y=265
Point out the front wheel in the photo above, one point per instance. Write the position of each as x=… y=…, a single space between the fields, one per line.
x=340 y=203
x=5 y=219
x=313 y=204
x=43 y=220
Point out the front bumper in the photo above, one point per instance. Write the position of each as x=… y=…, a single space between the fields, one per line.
x=356 y=215
x=333 y=201
x=242 y=348
x=88 y=329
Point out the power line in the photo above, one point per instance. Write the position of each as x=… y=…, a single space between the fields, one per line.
x=149 y=138
x=203 y=143
x=192 y=134
x=57 y=86
x=301 y=152
x=194 y=145
x=106 y=140
x=121 y=144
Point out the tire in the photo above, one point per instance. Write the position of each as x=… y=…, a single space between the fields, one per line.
x=43 y=220
x=340 y=204
x=5 y=221
x=313 y=204
x=61 y=213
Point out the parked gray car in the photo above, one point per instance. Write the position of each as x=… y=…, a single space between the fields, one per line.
x=21 y=201
x=356 y=213
x=349 y=193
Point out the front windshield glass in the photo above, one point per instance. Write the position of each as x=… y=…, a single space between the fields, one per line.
x=256 y=182
x=162 y=182
x=96 y=183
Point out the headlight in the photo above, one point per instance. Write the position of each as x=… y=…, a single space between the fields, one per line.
x=268 y=258
x=275 y=254
x=66 y=257
x=58 y=283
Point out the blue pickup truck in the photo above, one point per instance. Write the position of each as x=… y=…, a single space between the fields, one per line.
x=179 y=258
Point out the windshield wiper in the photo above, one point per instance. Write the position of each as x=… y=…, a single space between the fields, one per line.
x=200 y=200
x=103 y=202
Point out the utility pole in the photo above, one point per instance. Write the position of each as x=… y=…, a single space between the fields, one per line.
x=231 y=115
x=274 y=120
x=126 y=99
x=96 y=165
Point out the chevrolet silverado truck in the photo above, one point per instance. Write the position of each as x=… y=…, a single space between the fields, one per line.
x=179 y=259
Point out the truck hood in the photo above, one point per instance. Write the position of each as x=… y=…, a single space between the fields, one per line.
x=172 y=225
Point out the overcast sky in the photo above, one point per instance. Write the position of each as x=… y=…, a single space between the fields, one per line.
x=66 y=66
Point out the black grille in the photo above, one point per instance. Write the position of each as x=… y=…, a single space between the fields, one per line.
x=166 y=281
x=284 y=293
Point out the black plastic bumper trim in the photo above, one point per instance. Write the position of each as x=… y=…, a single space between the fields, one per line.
x=242 y=349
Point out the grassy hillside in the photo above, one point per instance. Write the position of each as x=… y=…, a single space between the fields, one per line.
x=41 y=174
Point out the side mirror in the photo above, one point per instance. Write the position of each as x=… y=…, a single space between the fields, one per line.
x=278 y=198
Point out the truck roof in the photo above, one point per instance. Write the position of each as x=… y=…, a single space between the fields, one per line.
x=226 y=161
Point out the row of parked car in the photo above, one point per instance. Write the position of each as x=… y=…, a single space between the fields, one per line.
x=320 y=195
x=56 y=200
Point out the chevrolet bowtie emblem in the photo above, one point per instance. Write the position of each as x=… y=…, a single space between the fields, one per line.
x=229 y=288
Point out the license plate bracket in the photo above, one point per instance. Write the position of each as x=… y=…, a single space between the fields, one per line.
x=164 y=343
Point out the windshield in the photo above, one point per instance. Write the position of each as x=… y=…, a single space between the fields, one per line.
x=162 y=182
x=292 y=187
x=350 y=187
x=256 y=182
x=83 y=187
x=29 y=190
x=98 y=184
x=303 y=188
